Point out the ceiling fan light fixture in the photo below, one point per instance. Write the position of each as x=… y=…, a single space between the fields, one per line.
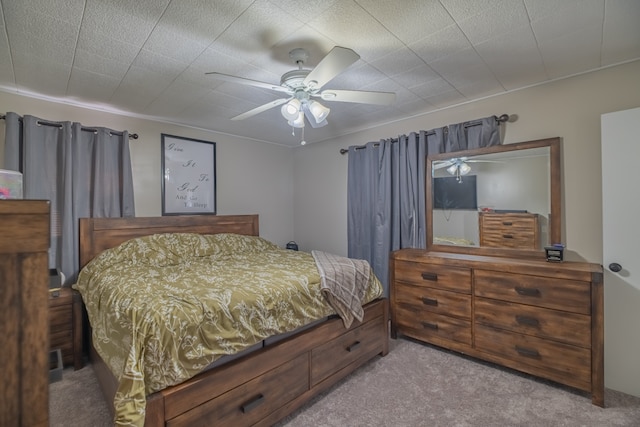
x=291 y=110
x=319 y=111
x=298 y=122
x=464 y=168
x=458 y=168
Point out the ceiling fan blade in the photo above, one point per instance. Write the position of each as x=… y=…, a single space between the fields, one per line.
x=442 y=164
x=260 y=109
x=336 y=61
x=311 y=119
x=243 y=81
x=360 y=96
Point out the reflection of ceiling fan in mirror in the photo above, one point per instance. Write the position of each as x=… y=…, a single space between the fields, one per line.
x=458 y=166
x=303 y=85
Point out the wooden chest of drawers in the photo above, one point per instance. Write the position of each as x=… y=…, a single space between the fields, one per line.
x=509 y=230
x=545 y=319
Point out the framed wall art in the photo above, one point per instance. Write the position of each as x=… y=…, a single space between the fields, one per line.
x=188 y=176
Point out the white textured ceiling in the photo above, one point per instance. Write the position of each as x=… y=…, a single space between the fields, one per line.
x=149 y=57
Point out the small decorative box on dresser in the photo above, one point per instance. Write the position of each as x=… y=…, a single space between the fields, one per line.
x=545 y=319
x=65 y=326
x=509 y=230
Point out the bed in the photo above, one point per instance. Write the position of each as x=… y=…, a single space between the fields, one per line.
x=259 y=385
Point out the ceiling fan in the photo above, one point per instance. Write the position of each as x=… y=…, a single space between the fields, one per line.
x=303 y=86
x=458 y=166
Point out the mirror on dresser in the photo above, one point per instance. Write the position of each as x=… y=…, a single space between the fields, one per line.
x=500 y=200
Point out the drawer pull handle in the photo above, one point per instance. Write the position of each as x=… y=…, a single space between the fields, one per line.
x=430 y=276
x=430 y=301
x=252 y=404
x=527 y=352
x=527 y=292
x=507 y=223
x=526 y=320
x=428 y=325
x=354 y=346
x=507 y=236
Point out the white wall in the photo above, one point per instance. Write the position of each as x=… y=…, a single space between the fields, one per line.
x=568 y=108
x=300 y=193
x=252 y=177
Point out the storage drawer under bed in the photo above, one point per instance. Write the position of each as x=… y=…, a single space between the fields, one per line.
x=361 y=342
x=250 y=402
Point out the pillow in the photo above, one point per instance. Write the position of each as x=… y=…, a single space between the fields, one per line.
x=230 y=243
x=177 y=248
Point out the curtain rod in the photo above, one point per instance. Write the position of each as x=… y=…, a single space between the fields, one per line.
x=58 y=125
x=502 y=118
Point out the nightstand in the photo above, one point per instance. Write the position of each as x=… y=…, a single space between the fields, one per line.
x=65 y=326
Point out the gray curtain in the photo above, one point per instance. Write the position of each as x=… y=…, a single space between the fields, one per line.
x=386 y=189
x=482 y=133
x=84 y=172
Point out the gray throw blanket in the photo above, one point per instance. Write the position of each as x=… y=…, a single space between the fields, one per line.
x=344 y=283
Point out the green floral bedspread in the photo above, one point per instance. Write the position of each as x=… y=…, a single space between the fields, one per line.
x=163 y=307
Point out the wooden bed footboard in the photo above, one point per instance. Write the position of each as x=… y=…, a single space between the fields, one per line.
x=263 y=387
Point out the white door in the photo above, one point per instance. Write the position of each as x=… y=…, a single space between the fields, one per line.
x=621 y=240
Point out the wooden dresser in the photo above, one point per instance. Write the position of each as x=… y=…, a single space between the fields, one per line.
x=542 y=318
x=509 y=230
x=24 y=323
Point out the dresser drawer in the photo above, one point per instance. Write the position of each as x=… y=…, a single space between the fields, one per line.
x=60 y=316
x=435 y=276
x=509 y=239
x=425 y=325
x=61 y=337
x=516 y=222
x=560 y=294
x=564 y=363
x=570 y=328
x=250 y=402
x=359 y=343
x=433 y=300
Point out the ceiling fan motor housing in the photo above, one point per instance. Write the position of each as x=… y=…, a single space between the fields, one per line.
x=299 y=55
x=294 y=79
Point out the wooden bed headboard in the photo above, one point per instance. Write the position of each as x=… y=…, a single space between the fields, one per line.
x=98 y=234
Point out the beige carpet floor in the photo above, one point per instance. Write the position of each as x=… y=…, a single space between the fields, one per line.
x=414 y=385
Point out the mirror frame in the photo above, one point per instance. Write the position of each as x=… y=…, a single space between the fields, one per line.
x=555 y=184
